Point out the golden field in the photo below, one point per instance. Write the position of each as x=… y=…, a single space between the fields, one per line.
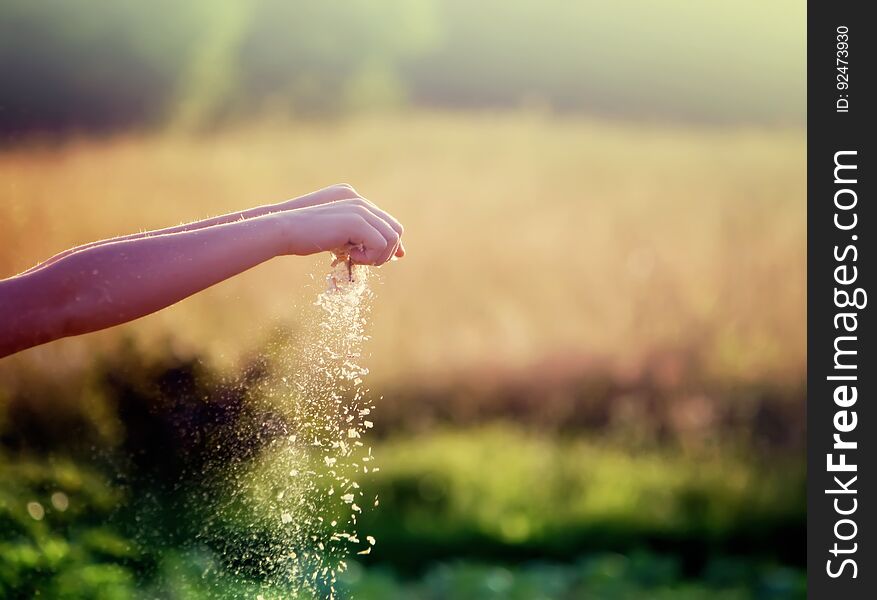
x=531 y=237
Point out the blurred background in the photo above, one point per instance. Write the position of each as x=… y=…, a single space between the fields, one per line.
x=589 y=372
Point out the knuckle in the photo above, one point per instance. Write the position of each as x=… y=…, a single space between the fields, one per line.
x=357 y=219
x=358 y=209
x=344 y=189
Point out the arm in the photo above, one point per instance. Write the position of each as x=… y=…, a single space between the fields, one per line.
x=330 y=194
x=121 y=280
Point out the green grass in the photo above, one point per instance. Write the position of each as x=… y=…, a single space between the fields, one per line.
x=53 y=537
x=501 y=493
x=605 y=576
x=493 y=512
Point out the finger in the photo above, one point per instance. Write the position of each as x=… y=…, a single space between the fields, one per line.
x=367 y=244
x=386 y=230
x=395 y=224
x=333 y=193
x=399 y=250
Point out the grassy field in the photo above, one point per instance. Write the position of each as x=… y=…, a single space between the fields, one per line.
x=592 y=361
x=529 y=237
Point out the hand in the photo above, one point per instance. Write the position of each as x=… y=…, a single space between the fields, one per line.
x=333 y=193
x=352 y=226
x=113 y=281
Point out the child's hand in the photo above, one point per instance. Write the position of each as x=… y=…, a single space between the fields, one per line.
x=333 y=193
x=113 y=281
x=352 y=226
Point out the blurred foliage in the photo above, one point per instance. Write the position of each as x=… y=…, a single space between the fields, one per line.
x=195 y=62
x=638 y=576
x=507 y=493
x=74 y=549
x=177 y=503
x=53 y=538
x=63 y=67
x=191 y=63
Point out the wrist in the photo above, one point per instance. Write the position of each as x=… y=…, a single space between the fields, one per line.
x=277 y=233
x=291 y=233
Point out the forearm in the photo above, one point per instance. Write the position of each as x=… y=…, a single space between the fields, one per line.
x=193 y=226
x=329 y=194
x=122 y=280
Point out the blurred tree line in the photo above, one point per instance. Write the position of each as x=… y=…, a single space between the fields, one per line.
x=99 y=65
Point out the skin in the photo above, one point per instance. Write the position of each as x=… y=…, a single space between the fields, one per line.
x=114 y=281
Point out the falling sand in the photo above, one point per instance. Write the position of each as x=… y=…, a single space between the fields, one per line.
x=309 y=496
